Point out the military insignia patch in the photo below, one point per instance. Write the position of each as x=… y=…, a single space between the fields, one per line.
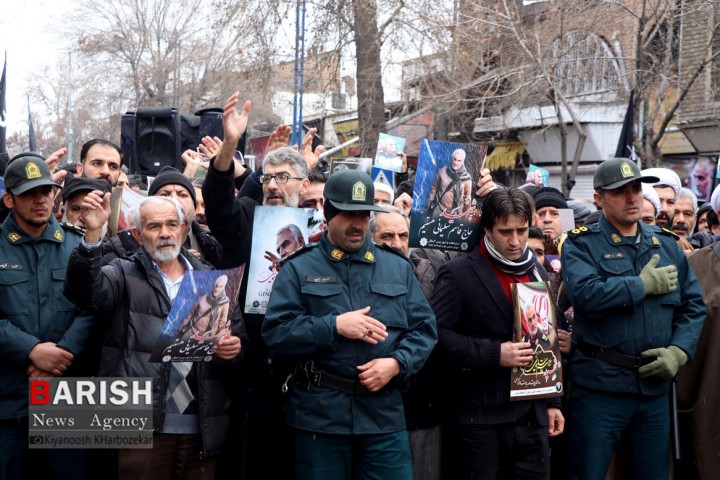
x=337 y=254
x=58 y=235
x=578 y=231
x=369 y=257
x=14 y=237
x=655 y=241
x=32 y=171
x=359 y=192
x=616 y=238
x=626 y=170
x=671 y=233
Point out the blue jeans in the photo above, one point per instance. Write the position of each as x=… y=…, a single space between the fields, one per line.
x=384 y=456
x=600 y=418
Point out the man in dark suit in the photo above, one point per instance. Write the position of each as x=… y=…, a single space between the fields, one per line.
x=473 y=305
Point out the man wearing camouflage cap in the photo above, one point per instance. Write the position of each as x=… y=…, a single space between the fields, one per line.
x=42 y=334
x=353 y=317
x=638 y=315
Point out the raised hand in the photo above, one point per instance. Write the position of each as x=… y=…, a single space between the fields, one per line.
x=311 y=157
x=95 y=213
x=279 y=138
x=210 y=146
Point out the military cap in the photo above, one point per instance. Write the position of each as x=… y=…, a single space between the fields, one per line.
x=351 y=190
x=617 y=172
x=25 y=172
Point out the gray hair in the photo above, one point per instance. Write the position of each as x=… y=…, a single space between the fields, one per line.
x=294 y=231
x=135 y=213
x=390 y=209
x=687 y=193
x=287 y=155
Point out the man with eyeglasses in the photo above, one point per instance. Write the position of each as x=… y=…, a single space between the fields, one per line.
x=257 y=397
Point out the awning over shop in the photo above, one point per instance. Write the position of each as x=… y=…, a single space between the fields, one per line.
x=504 y=155
x=674 y=143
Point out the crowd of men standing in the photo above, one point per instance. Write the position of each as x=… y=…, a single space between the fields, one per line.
x=372 y=361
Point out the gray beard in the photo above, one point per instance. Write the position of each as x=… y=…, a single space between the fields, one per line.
x=162 y=256
x=291 y=201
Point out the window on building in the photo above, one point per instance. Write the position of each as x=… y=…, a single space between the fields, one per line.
x=584 y=65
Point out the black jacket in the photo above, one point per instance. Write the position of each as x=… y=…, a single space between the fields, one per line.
x=131 y=293
x=474 y=317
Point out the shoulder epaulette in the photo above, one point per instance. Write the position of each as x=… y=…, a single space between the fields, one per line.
x=576 y=232
x=388 y=248
x=72 y=228
x=669 y=233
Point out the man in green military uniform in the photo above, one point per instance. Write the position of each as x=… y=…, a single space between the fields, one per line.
x=41 y=332
x=353 y=316
x=638 y=315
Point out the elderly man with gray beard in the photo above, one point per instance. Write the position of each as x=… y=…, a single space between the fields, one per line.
x=190 y=401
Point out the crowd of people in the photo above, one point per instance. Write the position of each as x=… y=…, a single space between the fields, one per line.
x=373 y=360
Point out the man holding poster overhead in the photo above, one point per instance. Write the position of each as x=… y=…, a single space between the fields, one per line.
x=496 y=438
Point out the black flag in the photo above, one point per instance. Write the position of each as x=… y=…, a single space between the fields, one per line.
x=31 y=131
x=625 y=147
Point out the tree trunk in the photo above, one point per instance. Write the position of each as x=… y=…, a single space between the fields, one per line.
x=371 y=103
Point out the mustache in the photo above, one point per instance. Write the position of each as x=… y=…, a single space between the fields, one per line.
x=165 y=243
x=680 y=226
x=274 y=193
x=353 y=231
x=663 y=218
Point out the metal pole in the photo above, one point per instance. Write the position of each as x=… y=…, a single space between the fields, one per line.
x=299 y=80
x=69 y=136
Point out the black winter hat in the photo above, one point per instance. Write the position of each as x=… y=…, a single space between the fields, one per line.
x=549 y=197
x=172 y=176
x=75 y=185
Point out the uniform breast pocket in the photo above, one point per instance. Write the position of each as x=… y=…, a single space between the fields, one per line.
x=13 y=292
x=388 y=304
x=613 y=330
x=324 y=298
x=616 y=267
x=62 y=304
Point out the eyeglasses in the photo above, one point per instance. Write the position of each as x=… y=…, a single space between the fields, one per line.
x=280 y=178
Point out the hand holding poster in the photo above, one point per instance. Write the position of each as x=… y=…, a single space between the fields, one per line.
x=201 y=314
x=388 y=152
x=535 y=323
x=277 y=232
x=446 y=211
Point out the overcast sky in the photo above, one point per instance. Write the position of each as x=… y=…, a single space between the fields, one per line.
x=29 y=35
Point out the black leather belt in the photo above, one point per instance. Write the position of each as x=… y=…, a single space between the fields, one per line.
x=322 y=378
x=611 y=356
